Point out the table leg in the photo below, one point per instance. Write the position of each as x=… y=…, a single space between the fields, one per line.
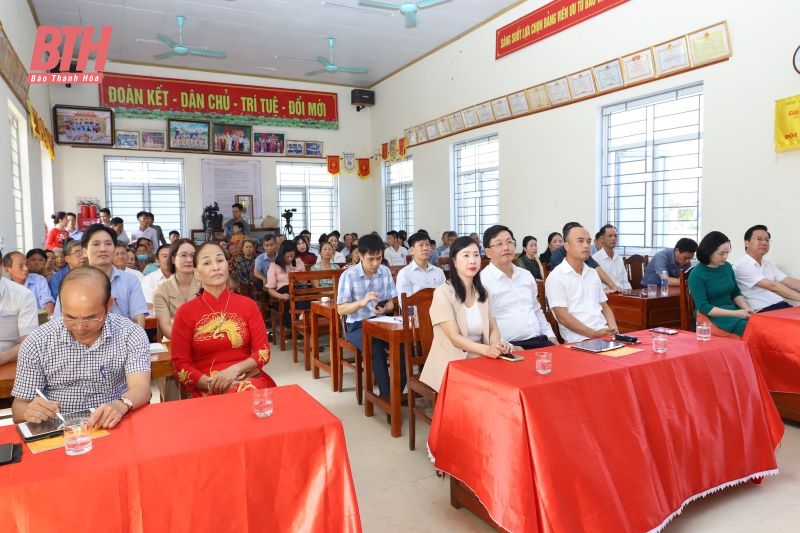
x=335 y=364
x=369 y=408
x=394 y=388
x=314 y=317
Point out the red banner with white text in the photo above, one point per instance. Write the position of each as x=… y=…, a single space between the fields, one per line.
x=161 y=98
x=546 y=21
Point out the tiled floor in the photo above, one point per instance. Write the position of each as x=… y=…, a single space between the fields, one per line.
x=398 y=490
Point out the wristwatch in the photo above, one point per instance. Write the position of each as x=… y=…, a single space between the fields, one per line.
x=127 y=402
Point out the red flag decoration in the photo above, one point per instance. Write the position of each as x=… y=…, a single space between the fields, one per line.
x=333 y=164
x=385 y=151
x=363 y=167
x=401 y=147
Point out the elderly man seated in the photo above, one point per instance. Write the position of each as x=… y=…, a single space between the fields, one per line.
x=88 y=358
x=17 y=267
x=17 y=316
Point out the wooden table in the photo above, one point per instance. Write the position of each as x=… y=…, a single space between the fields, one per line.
x=634 y=313
x=773 y=340
x=205 y=464
x=604 y=443
x=392 y=333
x=327 y=310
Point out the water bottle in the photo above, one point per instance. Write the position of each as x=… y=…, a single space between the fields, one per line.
x=664 y=282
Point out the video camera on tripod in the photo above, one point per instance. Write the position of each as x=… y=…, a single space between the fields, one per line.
x=287 y=215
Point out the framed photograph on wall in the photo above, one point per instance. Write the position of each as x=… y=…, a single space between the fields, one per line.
x=295 y=148
x=153 y=140
x=188 y=135
x=88 y=126
x=127 y=140
x=422 y=135
x=411 y=136
x=269 y=143
x=313 y=148
x=232 y=139
x=247 y=207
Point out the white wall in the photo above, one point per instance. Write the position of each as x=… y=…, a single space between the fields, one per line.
x=549 y=161
x=21 y=30
x=79 y=171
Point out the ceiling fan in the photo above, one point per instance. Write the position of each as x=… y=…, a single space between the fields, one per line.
x=408 y=9
x=181 y=49
x=329 y=66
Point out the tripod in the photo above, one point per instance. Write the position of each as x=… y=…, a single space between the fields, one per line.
x=288 y=229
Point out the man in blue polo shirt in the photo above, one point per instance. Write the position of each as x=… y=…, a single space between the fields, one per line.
x=99 y=244
x=263 y=261
x=361 y=288
x=673 y=260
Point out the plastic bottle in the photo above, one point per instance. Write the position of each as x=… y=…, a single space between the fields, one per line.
x=664 y=282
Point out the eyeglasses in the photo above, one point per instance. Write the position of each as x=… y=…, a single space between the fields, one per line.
x=83 y=321
x=511 y=243
x=761 y=239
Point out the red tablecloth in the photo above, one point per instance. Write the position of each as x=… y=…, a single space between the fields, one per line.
x=206 y=464
x=774 y=341
x=602 y=443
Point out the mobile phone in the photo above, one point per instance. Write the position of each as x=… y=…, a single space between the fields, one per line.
x=6 y=453
x=40 y=430
x=510 y=357
x=664 y=331
x=382 y=303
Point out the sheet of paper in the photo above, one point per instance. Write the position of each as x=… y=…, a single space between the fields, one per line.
x=389 y=319
x=157 y=347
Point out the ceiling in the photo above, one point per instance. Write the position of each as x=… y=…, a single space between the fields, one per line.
x=273 y=38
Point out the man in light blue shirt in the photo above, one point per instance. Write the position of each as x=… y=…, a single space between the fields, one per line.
x=670 y=260
x=263 y=261
x=74 y=257
x=367 y=290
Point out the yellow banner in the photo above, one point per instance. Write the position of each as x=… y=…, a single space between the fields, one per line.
x=787 y=124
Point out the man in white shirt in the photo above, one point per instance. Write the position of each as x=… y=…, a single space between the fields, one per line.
x=17 y=268
x=513 y=294
x=151 y=281
x=144 y=229
x=394 y=253
x=18 y=316
x=575 y=292
x=611 y=262
x=762 y=284
x=419 y=273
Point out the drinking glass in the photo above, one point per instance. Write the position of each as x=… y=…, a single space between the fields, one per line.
x=703 y=331
x=544 y=362
x=262 y=402
x=660 y=343
x=77 y=436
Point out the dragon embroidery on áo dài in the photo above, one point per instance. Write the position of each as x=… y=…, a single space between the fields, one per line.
x=216 y=325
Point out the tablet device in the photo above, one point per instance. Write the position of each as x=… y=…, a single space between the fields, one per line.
x=597 y=345
x=31 y=431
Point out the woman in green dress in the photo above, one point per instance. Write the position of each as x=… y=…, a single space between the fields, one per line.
x=529 y=258
x=713 y=286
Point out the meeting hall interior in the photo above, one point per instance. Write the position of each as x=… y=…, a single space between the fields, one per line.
x=249 y=121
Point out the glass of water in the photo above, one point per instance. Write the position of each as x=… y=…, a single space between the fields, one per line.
x=262 y=402
x=77 y=436
x=660 y=343
x=703 y=331
x=544 y=362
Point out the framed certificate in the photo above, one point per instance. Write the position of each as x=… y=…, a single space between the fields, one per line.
x=470 y=117
x=581 y=84
x=608 y=76
x=672 y=56
x=558 y=91
x=638 y=66
x=518 y=103
x=456 y=121
x=501 y=108
x=444 y=126
x=710 y=44
x=421 y=135
x=538 y=98
x=485 y=114
x=431 y=130
x=411 y=136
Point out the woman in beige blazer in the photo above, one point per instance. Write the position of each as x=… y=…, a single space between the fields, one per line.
x=460 y=316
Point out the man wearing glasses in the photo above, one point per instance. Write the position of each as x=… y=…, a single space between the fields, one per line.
x=513 y=294
x=762 y=284
x=87 y=358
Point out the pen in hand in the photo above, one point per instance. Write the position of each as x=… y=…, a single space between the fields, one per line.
x=43 y=397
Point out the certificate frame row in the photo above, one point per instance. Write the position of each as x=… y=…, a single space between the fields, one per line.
x=693 y=50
